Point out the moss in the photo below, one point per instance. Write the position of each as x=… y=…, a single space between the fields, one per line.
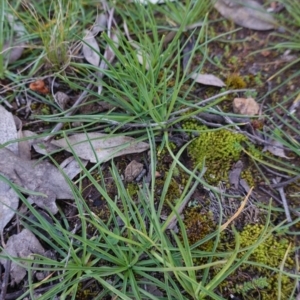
x=271 y=253
x=179 y=176
x=86 y=293
x=132 y=189
x=45 y=110
x=173 y=193
x=235 y=81
x=248 y=176
x=199 y=224
x=217 y=149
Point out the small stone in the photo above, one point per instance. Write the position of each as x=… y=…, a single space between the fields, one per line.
x=245 y=106
x=133 y=170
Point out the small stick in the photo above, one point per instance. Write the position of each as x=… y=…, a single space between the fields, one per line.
x=284 y=201
x=225 y=225
x=284 y=183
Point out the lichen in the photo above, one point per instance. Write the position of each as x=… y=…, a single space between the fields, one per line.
x=217 y=150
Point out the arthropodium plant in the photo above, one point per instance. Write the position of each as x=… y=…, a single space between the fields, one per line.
x=146 y=82
x=52 y=27
x=131 y=251
x=187 y=13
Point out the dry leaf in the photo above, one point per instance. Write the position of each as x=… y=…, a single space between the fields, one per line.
x=276 y=148
x=245 y=106
x=235 y=174
x=23 y=146
x=109 y=56
x=42 y=178
x=21 y=245
x=8 y=130
x=246 y=13
x=12 y=51
x=9 y=202
x=208 y=79
x=38 y=143
x=71 y=166
x=100 y=24
x=90 y=49
x=102 y=147
x=17 y=27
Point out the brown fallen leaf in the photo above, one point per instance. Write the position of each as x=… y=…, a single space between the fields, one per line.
x=235 y=174
x=23 y=146
x=276 y=148
x=13 y=51
x=100 y=24
x=208 y=79
x=42 y=178
x=9 y=202
x=102 y=147
x=71 y=166
x=90 y=48
x=21 y=245
x=245 y=106
x=8 y=130
x=246 y=13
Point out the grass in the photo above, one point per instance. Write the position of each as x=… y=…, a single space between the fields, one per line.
x=133 y=251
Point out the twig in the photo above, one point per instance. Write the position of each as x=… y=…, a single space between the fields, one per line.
x=6 y=102
x=274 y=172
x=284 y=183
x=284 y=202
x=178 y=112
x=294 y=211
x=225 y=225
